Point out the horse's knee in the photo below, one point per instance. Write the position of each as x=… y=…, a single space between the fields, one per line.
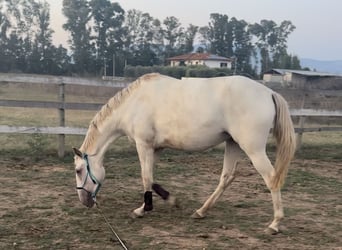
x=226 y=180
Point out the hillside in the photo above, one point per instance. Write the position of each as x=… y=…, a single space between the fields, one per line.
x=322 y=66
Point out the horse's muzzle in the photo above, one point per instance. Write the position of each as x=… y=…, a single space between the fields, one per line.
x=86 y=198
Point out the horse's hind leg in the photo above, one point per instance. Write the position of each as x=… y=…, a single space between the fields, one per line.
x=231 y=156
x=264 y=167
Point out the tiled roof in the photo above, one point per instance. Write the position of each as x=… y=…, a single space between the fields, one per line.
x=198 y=56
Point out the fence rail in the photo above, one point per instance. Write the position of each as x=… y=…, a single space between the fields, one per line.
x=42 y=130
x=118 y=82
x=61 y=105
x=316 y=112
x=52 y=105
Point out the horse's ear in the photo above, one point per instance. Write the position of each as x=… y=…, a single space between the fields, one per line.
x=77 y=152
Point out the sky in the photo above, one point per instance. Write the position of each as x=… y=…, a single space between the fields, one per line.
x=318 y=33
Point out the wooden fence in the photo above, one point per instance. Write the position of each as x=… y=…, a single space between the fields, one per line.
x=61 y=130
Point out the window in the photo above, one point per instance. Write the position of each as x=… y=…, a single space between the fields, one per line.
x=223 y=65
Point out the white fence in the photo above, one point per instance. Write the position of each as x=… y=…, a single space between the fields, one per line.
x=61 y=105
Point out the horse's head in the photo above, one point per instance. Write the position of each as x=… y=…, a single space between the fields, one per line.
x=89 y=177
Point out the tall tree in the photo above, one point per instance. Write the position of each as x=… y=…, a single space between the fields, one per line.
x=144 y=40
x=26 y=39
x=172 y=33
x=108 y=27
x=271 y=41
x=41 y=61
x=243 y=48
x=78 y=14
x=220 y=35
x=204 y=39
x=187 y=40
x=287 y=61
x=230 y=38
x=17 y=27
x=4 y=27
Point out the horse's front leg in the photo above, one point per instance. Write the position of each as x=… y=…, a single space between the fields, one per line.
x=146 y=158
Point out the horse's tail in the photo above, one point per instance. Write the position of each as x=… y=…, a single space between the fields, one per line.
x=284 y=134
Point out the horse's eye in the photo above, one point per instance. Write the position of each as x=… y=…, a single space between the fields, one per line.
x=78 y=171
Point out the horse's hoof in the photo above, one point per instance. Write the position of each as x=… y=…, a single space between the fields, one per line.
x=135 y=215
x=196 y=215
x=271 y=231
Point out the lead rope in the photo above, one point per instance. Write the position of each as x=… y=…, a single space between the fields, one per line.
x=111 y=228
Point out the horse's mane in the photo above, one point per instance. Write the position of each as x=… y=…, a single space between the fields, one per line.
x=109 y=107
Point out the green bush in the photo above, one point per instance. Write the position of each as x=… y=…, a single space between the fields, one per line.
x=37 y=144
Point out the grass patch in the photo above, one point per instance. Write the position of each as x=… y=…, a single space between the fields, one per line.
x=313 y=183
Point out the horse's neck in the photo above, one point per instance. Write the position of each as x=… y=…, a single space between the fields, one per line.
x=99 y=137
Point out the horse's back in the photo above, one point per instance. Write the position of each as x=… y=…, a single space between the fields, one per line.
x=235 y=93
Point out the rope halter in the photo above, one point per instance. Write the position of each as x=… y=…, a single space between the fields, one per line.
x=93 y=179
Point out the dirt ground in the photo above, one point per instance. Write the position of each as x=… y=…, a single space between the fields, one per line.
x=40 y=208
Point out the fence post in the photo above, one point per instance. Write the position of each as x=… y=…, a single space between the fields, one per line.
x=299 y=137
x=61 y=137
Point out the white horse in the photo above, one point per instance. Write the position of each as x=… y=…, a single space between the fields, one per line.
x=159 y=112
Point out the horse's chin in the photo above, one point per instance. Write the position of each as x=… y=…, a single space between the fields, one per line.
x=89 y=203
x=87 y=200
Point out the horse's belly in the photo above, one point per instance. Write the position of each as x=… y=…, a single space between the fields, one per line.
x=192 y=141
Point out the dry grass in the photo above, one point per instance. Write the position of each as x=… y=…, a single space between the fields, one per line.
x=40 y=208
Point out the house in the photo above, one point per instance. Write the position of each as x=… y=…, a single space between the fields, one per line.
x=300 y=78
x=207 y=59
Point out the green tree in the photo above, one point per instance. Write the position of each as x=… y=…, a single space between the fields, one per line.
x=271 y=41
x=109 y=32
x=4 y=27
x=230 y=38
x=187 y=40
x=220 y=35
x=243 y=48
x=26 y=39
x=40 y=59
x=16 y=33
x=78 y=14
x=204 y=39
x=144 y=40
x=173 y=32
x=287 y=61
